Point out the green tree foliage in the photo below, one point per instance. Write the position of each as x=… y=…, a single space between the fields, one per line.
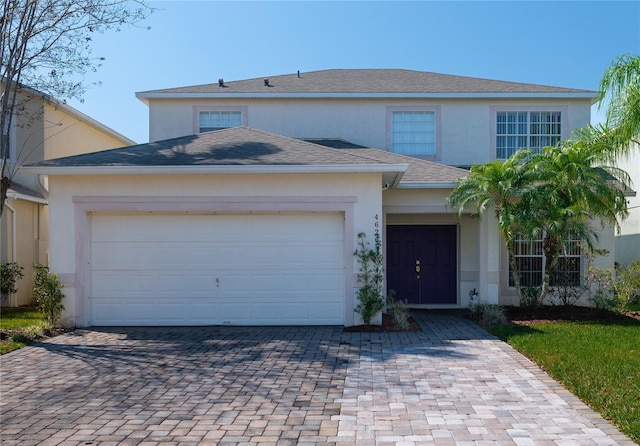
x=499 y=186
x=549 y=195
x=565 y=188
x=10 y=273
x=620 y=92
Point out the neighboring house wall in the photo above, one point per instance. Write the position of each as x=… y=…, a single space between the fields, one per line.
x=360 y=194
x=627 y=241
x=465 y=129
x=44 y=130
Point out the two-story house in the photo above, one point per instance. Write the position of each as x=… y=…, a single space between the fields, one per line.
x=43 y=129
x=246 y=205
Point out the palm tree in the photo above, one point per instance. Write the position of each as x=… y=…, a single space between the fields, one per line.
x=498 y=185
x=572 y=189
x=620 y=92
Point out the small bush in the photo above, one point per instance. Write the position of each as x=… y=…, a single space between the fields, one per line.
x=10 y=273
x=530 y=296
x=600 y=284
x=47 y=289
x=400 y=314
x=490 y=314
x=627 y=286
x=615 y=288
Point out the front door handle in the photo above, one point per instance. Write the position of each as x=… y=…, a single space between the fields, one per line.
x=417 y=269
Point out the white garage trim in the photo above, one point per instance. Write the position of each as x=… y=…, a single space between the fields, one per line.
x=84 y=206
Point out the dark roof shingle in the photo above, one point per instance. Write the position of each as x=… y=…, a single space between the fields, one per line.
x=367 y=81
x=228 y=147
x=246 y=146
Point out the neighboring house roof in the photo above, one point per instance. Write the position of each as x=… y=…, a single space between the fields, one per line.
x=244 y=149
x=367 y=83
x=20 y=192
x=57 y=103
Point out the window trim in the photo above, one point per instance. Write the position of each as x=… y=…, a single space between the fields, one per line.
x=494 y=109
x=435 y=109
x=218 y=108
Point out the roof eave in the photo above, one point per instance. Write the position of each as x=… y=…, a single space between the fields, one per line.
x=393 y=171
x=24 y=197
x=427 y=185
x=593 y=97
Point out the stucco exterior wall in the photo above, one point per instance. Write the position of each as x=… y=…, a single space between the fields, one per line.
x=43 y=130
x=359 y=194
x=628 y=239
x=465 y=126
x=23 y=241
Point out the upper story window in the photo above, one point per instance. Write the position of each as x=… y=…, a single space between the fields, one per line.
x=9 y=135
x=207 y=119
x=216 y=120
x=413 y=131
x=517 y=130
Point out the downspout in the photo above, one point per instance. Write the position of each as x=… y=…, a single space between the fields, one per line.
x=14 y=250
x=14 y=239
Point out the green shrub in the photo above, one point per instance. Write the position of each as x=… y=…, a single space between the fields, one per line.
x=615 y=288
x=47 y=289
x=371 y=300
x=400 y=314
x=10 y=273
x=600 y=284
x=627 y=286
x=530 y=296
x=489 y=314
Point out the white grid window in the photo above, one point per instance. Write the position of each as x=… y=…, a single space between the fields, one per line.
x=530 y=259
x=413 y=132
x=217 y=120
x=526 y=130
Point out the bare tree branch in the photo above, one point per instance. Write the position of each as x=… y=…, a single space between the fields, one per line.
x=45 y=45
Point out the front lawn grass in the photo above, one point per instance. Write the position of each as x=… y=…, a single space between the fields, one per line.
x=598 y=361
x=19 y=327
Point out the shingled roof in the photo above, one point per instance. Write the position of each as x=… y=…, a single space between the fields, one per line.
x=245 y=146
x=365 y=81
x=419 y=171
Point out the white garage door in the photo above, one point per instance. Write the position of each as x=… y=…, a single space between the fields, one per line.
x=259 y=269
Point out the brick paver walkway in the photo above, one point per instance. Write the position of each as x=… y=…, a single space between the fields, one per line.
x=453 y=384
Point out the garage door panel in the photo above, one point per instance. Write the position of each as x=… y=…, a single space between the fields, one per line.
x=153 y=269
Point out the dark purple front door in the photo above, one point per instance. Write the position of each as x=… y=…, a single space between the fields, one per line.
x=422 y=264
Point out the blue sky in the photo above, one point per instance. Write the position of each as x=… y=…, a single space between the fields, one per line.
x=559 y=43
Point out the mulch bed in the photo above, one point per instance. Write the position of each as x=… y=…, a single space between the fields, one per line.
x=548 y=313
x=388 y=326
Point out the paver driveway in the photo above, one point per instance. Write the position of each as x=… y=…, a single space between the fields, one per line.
x=451 y=384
